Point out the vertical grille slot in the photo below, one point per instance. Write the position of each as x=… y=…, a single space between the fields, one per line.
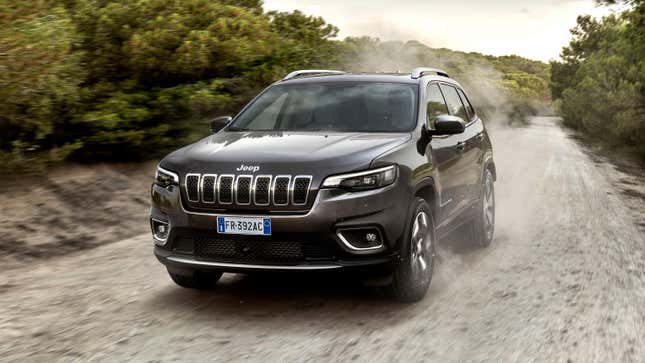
x=192 y=187
x=208 y=188
x=243 y=189
x=301 y=189
x=281 y=190
x=261 y=187
x=225 y=189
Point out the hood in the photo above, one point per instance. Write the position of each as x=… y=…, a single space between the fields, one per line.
x=282 y=152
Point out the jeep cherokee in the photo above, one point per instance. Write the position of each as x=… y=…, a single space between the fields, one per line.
x=327 y=170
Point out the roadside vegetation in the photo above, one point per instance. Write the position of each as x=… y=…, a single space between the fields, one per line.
x=600 y=83
x=94 y=80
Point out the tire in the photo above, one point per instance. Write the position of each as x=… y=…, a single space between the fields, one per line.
x=413 y=273
x=483 y=226
x=201 y=280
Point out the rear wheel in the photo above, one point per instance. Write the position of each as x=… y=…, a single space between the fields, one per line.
x=484 y=223
x=201 y=280
x=413 y=273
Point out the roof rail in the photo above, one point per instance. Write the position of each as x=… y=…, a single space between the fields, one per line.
x=422 y=71
x=304 y=72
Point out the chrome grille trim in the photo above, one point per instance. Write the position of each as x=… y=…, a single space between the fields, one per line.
x=201 y=188
x=273 y=189
x=188 y=189
x=254 y=189
x=219 y=189
x=281 y=190
x=306 y=189
x=236 y=191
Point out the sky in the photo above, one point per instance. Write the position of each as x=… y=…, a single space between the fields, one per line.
x=535 y=29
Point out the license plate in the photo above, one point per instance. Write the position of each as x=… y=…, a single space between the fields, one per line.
x=244 y=225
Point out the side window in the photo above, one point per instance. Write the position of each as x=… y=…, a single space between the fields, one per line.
x=454 y=102
x=267 y=118
x=469 y=108
x=436 y=104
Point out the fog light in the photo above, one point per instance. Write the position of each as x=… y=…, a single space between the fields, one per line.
x=361 y=238
x=160 y=231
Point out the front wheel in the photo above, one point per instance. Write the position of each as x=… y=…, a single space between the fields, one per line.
x=412 y=275
x=484 y=223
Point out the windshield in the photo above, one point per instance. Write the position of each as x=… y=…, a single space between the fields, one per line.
x=341 y=106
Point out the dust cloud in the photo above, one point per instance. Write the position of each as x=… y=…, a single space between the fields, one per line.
x=482 y=82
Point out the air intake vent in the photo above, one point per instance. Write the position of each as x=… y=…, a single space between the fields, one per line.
x=208 y=188
x=262 y=186
x=281 y=190
x=301 y=189
x=243 y=189
x=192 y=183
x=225 y=189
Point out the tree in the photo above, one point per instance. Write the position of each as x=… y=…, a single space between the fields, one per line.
x=40 y=76
x=602 y=76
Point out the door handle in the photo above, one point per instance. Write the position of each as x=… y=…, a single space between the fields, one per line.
x=460 y=146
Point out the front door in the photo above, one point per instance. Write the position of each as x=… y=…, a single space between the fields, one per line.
x=444 y=153
x=462 y=170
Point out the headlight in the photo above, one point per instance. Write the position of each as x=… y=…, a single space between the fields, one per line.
x=165 y=177
x=364 y=180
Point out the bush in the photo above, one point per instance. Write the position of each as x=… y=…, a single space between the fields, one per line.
x=601 y=80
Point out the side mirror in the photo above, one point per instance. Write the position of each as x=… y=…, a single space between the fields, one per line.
x=219 y=123
x=448 y=125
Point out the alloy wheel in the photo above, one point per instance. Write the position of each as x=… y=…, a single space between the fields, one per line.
x=421 y=247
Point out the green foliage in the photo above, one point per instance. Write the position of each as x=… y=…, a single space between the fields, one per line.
x=601 y=79
x=121 y=79
x=39 y=79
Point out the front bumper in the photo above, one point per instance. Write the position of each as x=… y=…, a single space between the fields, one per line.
x=178 y=262
x=316 y=229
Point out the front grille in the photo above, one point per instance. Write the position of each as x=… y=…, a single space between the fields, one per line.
x=225 y=188
x=300 y=188
x=192 y=185
x=246 y=190
x=262 y=187
x=243 y=191
x=281 y=190
x=208 y=188
x=250 y=249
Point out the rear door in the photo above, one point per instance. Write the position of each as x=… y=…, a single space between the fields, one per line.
x=442 y=152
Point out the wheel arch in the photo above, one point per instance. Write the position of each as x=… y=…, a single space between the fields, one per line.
x=427 y=191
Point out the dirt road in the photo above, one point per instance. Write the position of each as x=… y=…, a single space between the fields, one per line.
x=564 y=279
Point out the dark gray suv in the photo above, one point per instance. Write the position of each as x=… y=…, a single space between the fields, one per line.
x=326 y=170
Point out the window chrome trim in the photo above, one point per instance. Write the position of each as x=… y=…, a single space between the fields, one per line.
x=198 y=187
